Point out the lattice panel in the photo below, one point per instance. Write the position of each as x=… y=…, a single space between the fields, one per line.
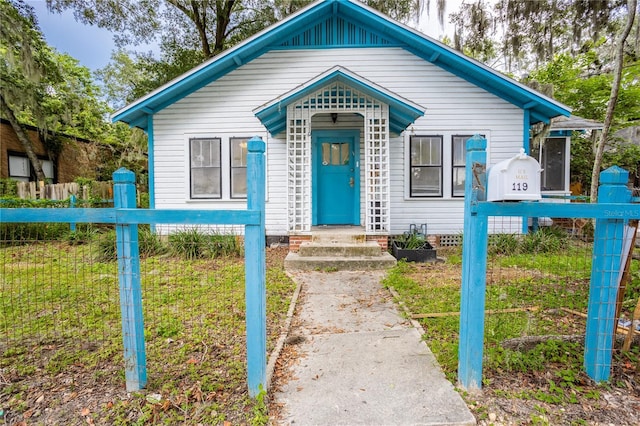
x=339 y=97
x=377 y=197
x=299 y=170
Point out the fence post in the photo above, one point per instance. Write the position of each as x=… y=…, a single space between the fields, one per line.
x=474 y=268
x=72 y=205
x=124 y=197
x=255 y=281
x=605 y=271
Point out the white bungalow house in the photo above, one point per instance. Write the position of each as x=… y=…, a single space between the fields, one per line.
x=365 y=122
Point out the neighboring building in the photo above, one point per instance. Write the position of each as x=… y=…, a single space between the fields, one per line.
x=365 y=122
x=77 y=157
x=555 y=153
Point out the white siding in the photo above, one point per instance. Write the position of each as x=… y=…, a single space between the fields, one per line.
x=224 y=108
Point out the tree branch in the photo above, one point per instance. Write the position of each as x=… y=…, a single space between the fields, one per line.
x=613 y=99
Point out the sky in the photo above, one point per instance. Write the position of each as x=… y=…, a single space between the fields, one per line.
x=92 y=46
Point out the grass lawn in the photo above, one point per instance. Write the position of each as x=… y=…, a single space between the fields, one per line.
x=548 y=378
x=61 y=347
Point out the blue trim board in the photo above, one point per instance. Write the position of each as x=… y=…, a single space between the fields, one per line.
x=361 y=19
x=402 y=112
x=151 y=162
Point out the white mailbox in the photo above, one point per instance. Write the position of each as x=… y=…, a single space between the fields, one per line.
x=516 y=179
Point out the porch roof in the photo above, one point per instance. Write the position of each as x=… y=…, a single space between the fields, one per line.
x=331 y=24
x=402 y=112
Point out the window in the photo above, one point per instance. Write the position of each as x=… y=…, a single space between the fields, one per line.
x=238 y=167
x=458 y=163
x=458 y=155
x=205 y=168
x=552 y=156
x=426 y=166
x=20 y=168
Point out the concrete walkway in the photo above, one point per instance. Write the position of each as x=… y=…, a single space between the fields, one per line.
x=359 y=361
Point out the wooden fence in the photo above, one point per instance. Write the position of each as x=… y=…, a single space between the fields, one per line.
x=62 y=191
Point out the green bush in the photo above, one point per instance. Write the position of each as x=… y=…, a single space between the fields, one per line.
x=189 y=244
x=542 y=241
x=149 y=244
x=545 y=240
x=8 y=188
x=22 y=233
x=193 y=244
x=83 y=234
x=105 y=250
x=224 y=245
x=503 y=244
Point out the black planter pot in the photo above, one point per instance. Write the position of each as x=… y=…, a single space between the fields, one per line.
x=426 y=253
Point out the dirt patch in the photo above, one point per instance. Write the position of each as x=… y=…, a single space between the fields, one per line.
x=526 y=398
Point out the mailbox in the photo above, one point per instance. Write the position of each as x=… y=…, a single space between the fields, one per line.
x=516 y=179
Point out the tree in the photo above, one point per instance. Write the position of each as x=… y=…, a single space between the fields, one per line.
x=613 y=99
x=528 y=34
x=476 y=42
x=190 y=31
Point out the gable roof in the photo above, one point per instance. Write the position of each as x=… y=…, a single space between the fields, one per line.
x=402 y=112
x=338 y=24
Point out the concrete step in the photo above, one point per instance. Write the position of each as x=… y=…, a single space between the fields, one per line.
x=338 y=238
x=335 y=263
x=342 y=249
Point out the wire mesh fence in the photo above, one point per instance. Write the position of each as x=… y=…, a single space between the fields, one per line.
x=60 y=317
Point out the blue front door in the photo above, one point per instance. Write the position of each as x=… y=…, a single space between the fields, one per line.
x=336 y=179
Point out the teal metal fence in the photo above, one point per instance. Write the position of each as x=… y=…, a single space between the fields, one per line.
x=126 y=218
x=615 y=207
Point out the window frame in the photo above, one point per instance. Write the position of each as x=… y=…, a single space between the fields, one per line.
x=191 y=168
x=440 y=193
x=32 y=176
x=541 y=154
x=464 y=157
x=232 y=167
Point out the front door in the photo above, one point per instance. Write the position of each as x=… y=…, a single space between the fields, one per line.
x=336 y=181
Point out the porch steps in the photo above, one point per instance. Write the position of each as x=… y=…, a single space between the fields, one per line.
x=339 y=250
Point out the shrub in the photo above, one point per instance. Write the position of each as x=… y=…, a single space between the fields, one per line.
x=8 y=188
x=149 y=244
x=22 y=233
x=106 y=247
x=82 y=235
x=189 y=243
x=542 y=241
x=224 y=245
x=503 y=244
x=193 y=244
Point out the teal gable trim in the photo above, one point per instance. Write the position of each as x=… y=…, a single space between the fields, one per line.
x=402 y=112
x=337 y=32
x=151 y=162
x=330 y=24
